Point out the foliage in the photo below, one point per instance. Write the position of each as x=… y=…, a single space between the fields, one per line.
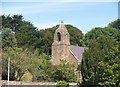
x=75 y=35
x=25 y=32
x=62 y=84
x=38 y=65
x=29 y=50
x=100 y=63
x=11 y=22
x=8 y=38
x=115 y=24
x=27 y=76
x=46 y=38
x=22 y=61
x=64 y=72
x=98 y=32
x=26 y=48
x=28 y=36
x=0 y=42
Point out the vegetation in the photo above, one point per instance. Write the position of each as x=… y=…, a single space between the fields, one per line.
x=30 y=37
x=25 y=64
x=64 y=72
x=29 y=50
x=101 y=61
x=62 y=84
x=98 y=32
x=8 y=38
x=115 y=24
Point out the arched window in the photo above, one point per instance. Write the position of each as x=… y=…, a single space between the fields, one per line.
x=59 y=36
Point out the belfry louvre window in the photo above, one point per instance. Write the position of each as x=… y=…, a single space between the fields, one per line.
x=59 y=36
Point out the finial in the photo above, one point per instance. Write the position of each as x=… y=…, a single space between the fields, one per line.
x=61 y=26
x=61 y=21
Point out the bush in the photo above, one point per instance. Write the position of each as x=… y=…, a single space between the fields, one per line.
x=62 y=84
x=27 y=76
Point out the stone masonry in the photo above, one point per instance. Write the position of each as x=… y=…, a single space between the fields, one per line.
x=61 y=44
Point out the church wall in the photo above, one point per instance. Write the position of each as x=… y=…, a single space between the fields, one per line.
x=61 y=44
x=72 y=59
x=59 y=52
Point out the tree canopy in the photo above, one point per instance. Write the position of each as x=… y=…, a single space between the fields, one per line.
x=8 y=38
x=115 y=24
x=28 y=36
x=97 y=32
x=30 y=52
x=101 y=61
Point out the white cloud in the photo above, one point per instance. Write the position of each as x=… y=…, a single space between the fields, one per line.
x=32 y=8
x=49 y=24
x=45 y=25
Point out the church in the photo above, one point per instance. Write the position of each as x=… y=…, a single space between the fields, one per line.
x=62 y=49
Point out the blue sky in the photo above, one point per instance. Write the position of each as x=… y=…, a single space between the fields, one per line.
x=84 y=15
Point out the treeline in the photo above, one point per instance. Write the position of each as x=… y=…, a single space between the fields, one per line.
x=30 y=51
x=32 y=66
x=30 y=37
x=101 y=61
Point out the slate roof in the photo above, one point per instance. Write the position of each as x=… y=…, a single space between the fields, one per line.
x=77 y=52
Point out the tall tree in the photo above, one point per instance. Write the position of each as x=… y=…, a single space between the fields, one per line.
x=64 y=72
x=100 y=63
x=6 y=21
x=16 y=20
x=8 y=38
x=28 y=36
x=97 y=32
x=115 y=24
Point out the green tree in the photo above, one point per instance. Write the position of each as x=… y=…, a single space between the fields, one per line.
x=8 y=38
x=76 y=35
x=6 y=21
x=16 y=20
x=46 y=37
x=64 y=72
x=100 y=63
x=22 y=61
x=28 y=36
x=97 y=32
x=12 y=22
x=8 y=43
x=25 y=32
x=115 y=24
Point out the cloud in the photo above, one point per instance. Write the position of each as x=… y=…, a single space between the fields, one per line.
x=41 y=7
x=46 y=14
x=45 y=25
x=32 y=8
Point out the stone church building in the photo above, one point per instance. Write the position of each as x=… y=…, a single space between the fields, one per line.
x=62 y=49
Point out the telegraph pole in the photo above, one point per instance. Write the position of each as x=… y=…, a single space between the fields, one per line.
x=8 y=70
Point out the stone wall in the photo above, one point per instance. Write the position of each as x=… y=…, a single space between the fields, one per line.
x=32 y=84
x=61 y=44
x=72 y=59
x=59 y=52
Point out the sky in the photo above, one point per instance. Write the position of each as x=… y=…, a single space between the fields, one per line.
x=83 y=15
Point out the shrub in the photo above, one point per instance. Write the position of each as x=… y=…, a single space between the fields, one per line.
x=62 y=84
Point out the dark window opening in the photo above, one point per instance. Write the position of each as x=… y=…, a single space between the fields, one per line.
x=59 y=36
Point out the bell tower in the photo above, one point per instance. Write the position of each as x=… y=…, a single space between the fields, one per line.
x=61 y=44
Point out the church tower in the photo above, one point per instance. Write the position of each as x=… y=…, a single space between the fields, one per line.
x=61 y=44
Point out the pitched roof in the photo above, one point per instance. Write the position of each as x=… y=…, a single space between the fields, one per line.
x=77 y=52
